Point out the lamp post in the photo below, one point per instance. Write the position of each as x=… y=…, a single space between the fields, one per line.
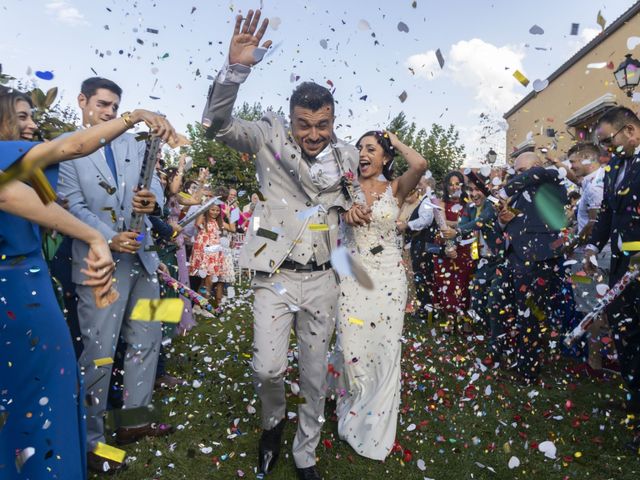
x=628 y=74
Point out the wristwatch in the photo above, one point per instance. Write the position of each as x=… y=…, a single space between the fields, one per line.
x=126 y=118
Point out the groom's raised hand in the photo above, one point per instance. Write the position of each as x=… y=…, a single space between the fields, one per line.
x=246 y=40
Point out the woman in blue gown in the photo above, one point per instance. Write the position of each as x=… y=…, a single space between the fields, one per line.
x=41 y=406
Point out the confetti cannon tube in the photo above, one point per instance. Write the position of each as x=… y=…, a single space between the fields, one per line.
x=203 y=208
x=441 y=221
x=613 y=293
x=146 y=175
x=185 y=291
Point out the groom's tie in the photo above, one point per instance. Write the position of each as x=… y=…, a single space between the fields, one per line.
x=111 y=162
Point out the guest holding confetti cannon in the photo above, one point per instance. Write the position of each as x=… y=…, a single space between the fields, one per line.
x=41 y=404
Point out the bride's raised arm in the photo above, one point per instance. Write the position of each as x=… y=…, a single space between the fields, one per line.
x=404 y=184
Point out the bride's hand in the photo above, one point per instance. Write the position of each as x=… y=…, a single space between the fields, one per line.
x=393 y=138
x=358 y=215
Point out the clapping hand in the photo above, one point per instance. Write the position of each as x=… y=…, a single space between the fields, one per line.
x=245 y=39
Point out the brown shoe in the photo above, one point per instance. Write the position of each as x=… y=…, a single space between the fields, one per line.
x=125 y=435
x=168 y=381
x=99 y=464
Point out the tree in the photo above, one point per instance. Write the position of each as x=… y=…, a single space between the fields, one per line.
x=439 y=146
x=51 y=117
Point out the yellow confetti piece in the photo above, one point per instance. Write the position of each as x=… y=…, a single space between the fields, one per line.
x=318 y=227
x=577 y=454
x=580 y=279
x=521 y=78
x=111 y=453
x=158 y=310
x=260 y=250
x=631 y=246
x=100 y=362
x=624 y=192
x=356 y=321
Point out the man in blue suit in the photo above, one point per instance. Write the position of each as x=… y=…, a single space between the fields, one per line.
x=618 y=130
x=532 y=224
x=101 y=191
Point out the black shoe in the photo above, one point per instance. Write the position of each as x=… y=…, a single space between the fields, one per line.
x=309 y=473
x=269 y=448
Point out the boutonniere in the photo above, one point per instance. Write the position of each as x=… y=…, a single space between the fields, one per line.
x=347 y=184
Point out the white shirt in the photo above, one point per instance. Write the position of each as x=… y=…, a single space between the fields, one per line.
x=425 y=217
x=591 y=198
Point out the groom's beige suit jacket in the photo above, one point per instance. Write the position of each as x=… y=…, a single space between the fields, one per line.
x=288 y=224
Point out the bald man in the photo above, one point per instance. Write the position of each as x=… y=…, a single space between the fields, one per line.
x=533 y=252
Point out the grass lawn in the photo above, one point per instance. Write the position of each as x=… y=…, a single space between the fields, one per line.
x=457 y=421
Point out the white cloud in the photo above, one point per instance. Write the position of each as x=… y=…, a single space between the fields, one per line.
x=480 y=67
x=66 y=13
x=424 y=65
x=487 y=70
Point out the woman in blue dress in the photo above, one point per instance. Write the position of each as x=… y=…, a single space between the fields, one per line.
x=41 y=405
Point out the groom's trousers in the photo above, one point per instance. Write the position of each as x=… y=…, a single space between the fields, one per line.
x=306 y=301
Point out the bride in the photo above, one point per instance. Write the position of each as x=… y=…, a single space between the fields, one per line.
x=370 y=321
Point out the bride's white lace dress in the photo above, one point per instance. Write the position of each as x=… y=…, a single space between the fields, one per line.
x=369 y=329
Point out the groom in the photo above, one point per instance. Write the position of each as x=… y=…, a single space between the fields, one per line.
x=304 y=173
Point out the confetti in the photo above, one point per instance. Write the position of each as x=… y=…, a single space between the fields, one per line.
x=600 y=20
x=536 y=30
x=263 y=232
x=100 y=362
x=44 y=75
x=111 y=453
x=521 y=78
x=403 y=27
x=631 y=246
x=440 y=58
x=539 y=85
x=318 y=227
x=158 y=310
x=22 y=457
x=632 y=42
x=574 y=29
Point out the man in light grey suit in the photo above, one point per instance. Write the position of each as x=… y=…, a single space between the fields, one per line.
x=304 y=174
x=101 y=191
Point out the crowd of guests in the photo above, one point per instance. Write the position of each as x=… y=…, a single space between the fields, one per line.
x=521 y=254
x=517 y=254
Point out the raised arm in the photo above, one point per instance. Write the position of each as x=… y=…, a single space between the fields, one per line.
x=87 y=141
x=417 y=166
x=244 y=53
x=533 y=176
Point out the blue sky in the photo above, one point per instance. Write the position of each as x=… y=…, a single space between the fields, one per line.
x=482 y=42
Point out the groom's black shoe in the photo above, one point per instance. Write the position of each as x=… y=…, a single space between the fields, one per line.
x=269 y=448
x=309 y=473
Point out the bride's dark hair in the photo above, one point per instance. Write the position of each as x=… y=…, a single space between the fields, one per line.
x=385 y=142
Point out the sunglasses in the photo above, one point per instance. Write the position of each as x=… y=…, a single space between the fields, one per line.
x=608 y=142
